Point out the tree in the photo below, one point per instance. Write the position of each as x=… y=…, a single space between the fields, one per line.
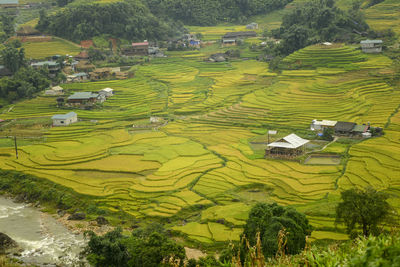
x=7 y=22
x=364 y=208
x=13 y=58
x=269 y=220
x=328 y=134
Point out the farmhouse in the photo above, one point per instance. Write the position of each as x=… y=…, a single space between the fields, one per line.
x=83 y=98
x=344 y=128
x=107 y=92
x=53 y=66
x=321 y=125
x=137 y=49
x=360 y=129
x=64 y=119
x=56 y=90
x=371 y=46
x=9 y=3
x=228 y=41
x=287 y=147
x=77 y=77
x=100 y=73
x=252 y=26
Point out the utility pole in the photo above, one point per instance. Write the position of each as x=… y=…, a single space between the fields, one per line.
x=16 y=147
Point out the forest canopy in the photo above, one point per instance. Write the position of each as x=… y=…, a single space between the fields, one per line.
x=130 y=20
x=210 y=12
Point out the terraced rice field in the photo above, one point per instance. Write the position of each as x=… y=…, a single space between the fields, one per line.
x=202 y=157
x=57 y=46
x=384 y=15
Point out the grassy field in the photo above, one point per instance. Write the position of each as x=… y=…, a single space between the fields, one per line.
x=57 y=46
x=198 y=171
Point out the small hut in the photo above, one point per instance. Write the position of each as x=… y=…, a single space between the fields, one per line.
x=64 y=119
x=288 y=147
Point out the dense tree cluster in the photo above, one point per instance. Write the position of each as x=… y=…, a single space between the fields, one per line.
x=130 y=20
x=210 y=12
x=268 y=220
x=145 y=247
x=25 y=81
x=318 y=21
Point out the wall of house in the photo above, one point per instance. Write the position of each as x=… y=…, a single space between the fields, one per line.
x=65 y=122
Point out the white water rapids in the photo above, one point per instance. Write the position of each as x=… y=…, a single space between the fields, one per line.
x=45 y=242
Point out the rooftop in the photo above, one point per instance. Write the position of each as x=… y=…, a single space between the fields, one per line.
x=83 y=95
x=64 y=116
x=43 y=63
x=344 y=126
x=57 y=88
x=290 y=141
x=324 y=123
x=140 y=44
x=8 y=2
x=360 y=128
x=371 y=42
x=108 y=90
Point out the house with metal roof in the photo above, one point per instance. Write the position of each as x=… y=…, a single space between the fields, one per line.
x=359 y=129
x=51 y=65
x=9 y=3
x=64 y=119
x=287 y=147
x=136 y=49
x=321 y=125
x=344 y=128
x=107 y=92
x=55 y=90
x=252 y=26
x=77 y=77
x=371 y=46
x=79 y=98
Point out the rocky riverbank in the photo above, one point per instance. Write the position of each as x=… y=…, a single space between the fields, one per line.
x=42 y=239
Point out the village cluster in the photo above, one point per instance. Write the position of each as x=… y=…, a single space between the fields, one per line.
x=292 y=145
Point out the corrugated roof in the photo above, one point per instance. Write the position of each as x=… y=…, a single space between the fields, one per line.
x=291 y=141
x=324 y=123
x=140 y=44
x=108 y=90
x=80 y=74
x=371 y=42
x=83 y=95
x=8 y=2
x=360 y=128
x=43 y=63
x=57 y=88
x=344 y=126
x=64 y=116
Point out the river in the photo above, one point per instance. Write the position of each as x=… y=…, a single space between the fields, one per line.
x=45 y=241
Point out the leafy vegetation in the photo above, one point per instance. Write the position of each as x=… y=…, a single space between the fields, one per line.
x=318 y=21
x=210 y=12
x=130 y=20
x=269 y=221
x=367 y=209
x=145 y=247
x=26 y=81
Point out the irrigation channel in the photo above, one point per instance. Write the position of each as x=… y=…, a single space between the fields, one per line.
x=42 y=239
